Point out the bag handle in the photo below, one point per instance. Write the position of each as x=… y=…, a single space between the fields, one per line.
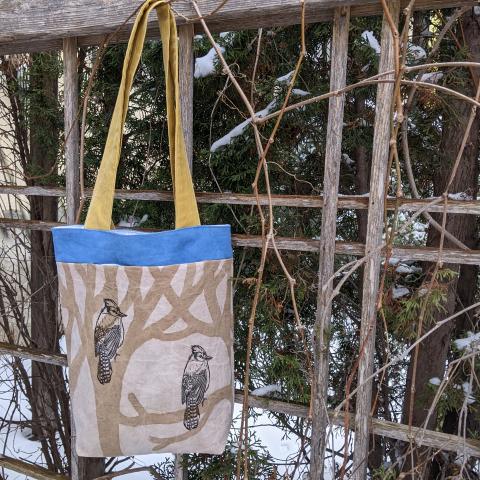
x=99 y=216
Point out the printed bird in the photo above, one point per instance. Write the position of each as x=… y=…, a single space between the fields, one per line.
x=195 y=382
x=108 y=337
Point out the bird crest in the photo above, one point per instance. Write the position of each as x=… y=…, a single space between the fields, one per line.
x=199 y=353
x=112 y=308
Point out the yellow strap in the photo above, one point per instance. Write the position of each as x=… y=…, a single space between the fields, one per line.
x=186 y=212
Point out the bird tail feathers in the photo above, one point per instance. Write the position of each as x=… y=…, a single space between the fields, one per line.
x=104 y=371
x=191 y=417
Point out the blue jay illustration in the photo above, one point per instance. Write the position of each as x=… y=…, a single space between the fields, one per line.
x=108 y=338
x=195 y=382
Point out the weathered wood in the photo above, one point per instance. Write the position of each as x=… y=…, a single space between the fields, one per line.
x=185 y=68
x=185 y=74
x=392 y=430
x=347 y=202
x=34 y=26
x=333 y=155
x=396 y=431
x=81 y=468
x=422 y=438
x=71 y=128
x=378 y=177
x=420 y=254
x=72 y=181
x=28 y=469
x=128 y=471
x=36 y=354
x=180 y=472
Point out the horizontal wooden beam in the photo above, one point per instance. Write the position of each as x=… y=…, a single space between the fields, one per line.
x=28 y=469
x=27 y=25
x=396 y=431
x=345 y=202
x=422 y=254
x=383 y=428
x=35 y=354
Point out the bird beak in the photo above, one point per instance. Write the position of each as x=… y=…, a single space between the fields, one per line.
x=207 y=357
x=121 y=315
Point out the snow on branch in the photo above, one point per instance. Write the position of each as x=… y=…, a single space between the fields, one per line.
x=205 y=66
x=239 y=129
x=470 y=342
x=431 y=77
x=266 y=390
x=371 y=40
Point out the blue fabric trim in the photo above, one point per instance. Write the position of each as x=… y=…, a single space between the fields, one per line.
x=75 y=244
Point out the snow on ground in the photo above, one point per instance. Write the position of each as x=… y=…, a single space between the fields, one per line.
x=271 y=437
x=13 y=439
x=205 y=66
x=239 y=129
x=15 y=443
x=283 y=447
x=144 y=461
x=435 y=381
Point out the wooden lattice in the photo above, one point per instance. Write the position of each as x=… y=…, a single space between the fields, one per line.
x=27 y=26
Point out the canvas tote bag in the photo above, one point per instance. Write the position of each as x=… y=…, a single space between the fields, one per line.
x=147 y=316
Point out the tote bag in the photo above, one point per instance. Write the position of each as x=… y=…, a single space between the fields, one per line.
x=147 y=316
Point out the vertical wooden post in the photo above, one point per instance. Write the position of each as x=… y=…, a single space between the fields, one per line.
x=185 y=73
x=185 y=68
x=72 y=133
x=331 y=178
x=81 y=468
x=379 y=172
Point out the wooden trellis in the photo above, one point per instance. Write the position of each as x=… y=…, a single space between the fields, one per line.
x=27 y=26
